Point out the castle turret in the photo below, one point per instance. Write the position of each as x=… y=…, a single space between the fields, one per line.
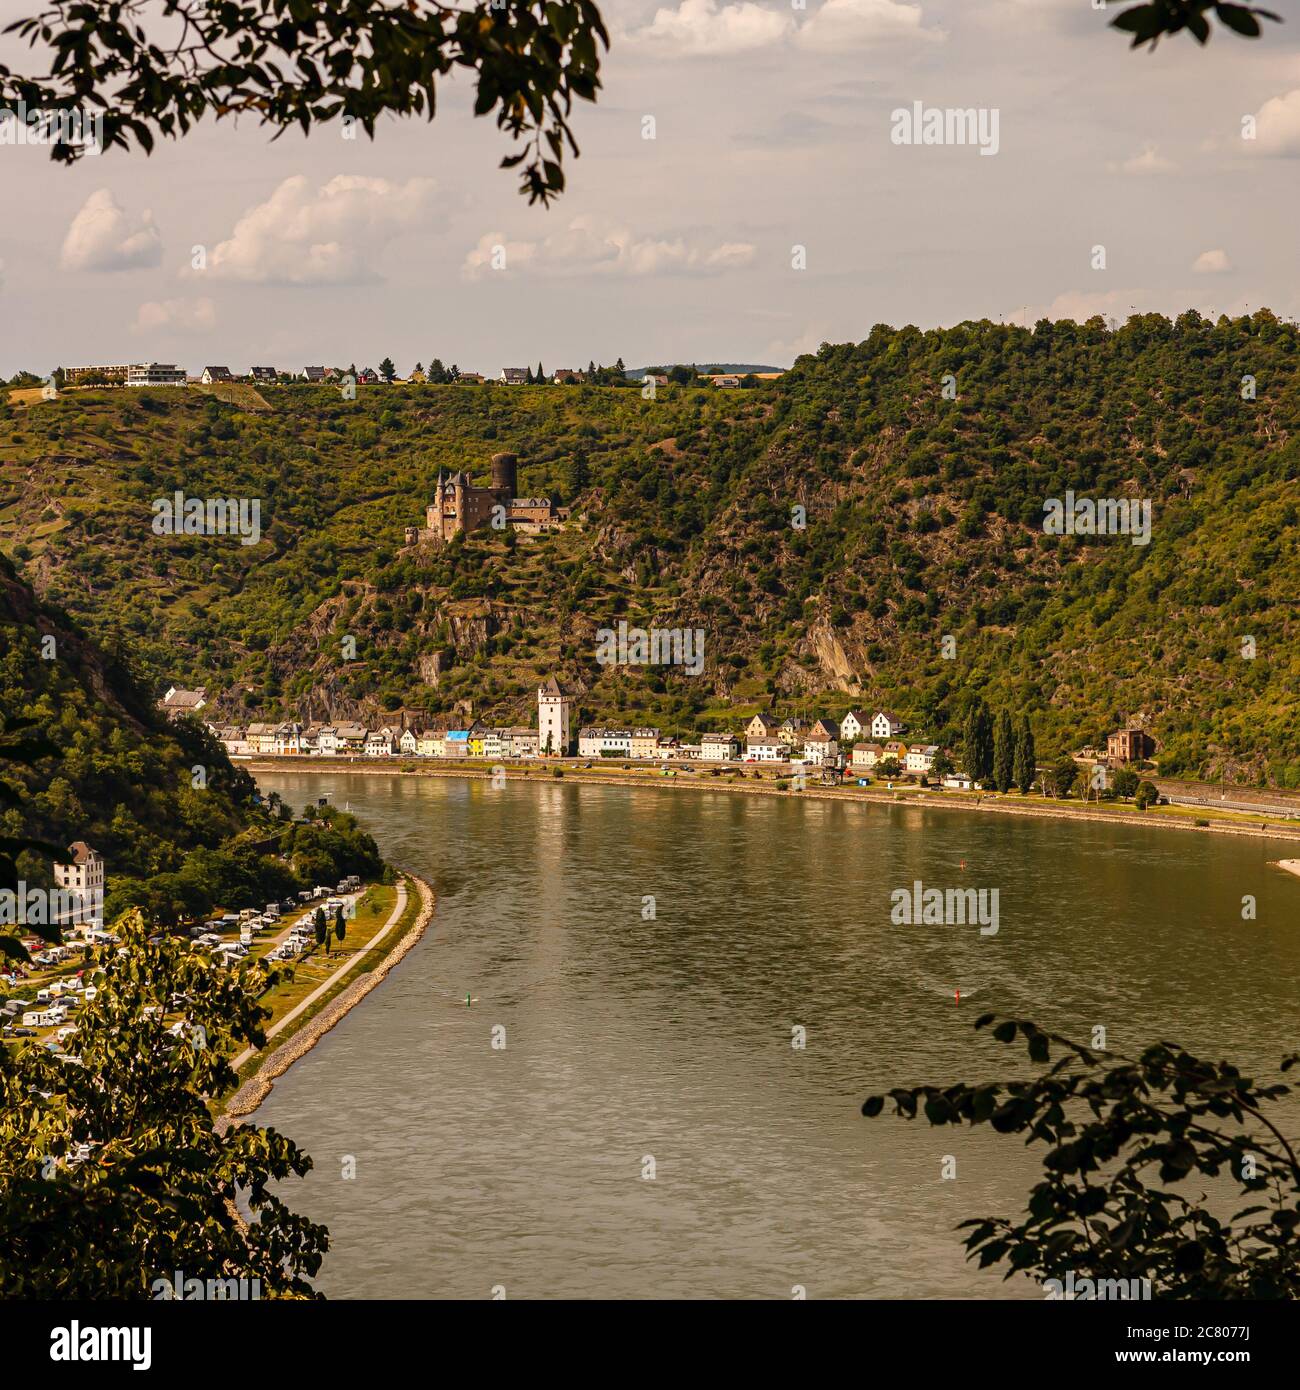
x=505 y=473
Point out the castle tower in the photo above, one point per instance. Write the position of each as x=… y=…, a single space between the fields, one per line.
x=433 y=512
x=505 y=474
x=553 y=705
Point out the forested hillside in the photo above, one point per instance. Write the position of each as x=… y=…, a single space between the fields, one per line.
x=924 y=520
x=179 y=827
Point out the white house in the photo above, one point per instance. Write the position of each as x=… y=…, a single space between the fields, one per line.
x=514 y=376
x=232 y=738
x=409 y=742
x=605 y=743
x=496 y=743
x=83 y=877
x=920 y=757
x=820 y=746
x=327 y=741
x=766 y=750
x=885 y=725
x=718 y=748
x=287 y=739
x=382 y=743
x=852 y=725
x=212 y=375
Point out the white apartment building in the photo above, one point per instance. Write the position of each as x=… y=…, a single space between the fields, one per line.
x=767 y=750
x=605 y=743
x=155 y=374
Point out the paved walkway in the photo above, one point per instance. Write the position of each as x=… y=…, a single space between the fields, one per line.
x=282 y=1023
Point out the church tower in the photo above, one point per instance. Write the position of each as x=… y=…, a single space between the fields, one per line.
x=553 y=705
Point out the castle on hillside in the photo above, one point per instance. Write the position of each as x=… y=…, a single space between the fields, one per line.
x=459 y=506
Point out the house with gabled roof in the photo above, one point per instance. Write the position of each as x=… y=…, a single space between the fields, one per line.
x=885 y=725
x=853 y=724
x=761 y=726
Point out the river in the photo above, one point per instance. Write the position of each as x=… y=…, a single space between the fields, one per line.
x=620 y=1111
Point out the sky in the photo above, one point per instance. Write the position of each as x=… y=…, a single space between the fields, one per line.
x=1121 y=182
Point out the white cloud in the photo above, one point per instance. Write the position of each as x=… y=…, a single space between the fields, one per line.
x=332 y=235
x=841 y=24
x=1277 y=127
x=704 y=27
x=175 y=316
x=587 y=246
x=711 y=28
x=1212 y=262
x=1147 y=161
x=105 y=237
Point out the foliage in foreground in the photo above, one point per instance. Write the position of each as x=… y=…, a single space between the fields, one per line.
x=299 y=65
x=154 y=1191
x=1121 y=1134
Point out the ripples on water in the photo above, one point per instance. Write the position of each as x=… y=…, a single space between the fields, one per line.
x=671 y=1037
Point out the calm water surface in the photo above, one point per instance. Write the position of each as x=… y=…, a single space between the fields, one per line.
x=669 y=1038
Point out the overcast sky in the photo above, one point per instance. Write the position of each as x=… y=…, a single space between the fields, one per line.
x=773 y=130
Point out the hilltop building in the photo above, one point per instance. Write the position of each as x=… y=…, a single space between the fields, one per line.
x=178 y=701
x=458 y=506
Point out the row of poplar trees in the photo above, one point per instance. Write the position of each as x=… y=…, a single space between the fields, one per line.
x=996 y=753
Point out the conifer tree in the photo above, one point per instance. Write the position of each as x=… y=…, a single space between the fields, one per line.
x=1004 y=753
x=1024 y=762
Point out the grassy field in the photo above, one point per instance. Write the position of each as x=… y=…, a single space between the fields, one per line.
x=315 y=967
x=313 y=970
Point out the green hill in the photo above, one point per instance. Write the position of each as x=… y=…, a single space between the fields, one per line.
x=924 y=520
x=180 y=828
